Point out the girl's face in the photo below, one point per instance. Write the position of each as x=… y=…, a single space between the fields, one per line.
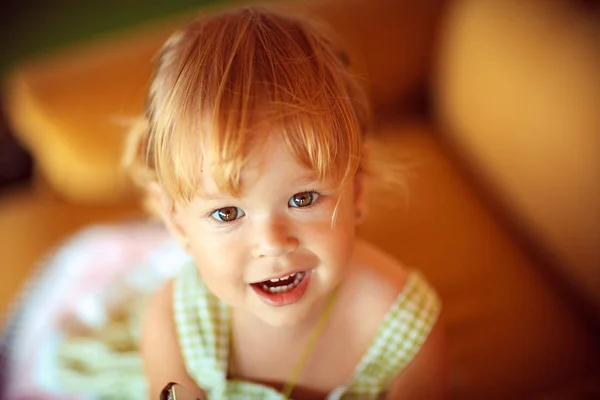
x=274 y=250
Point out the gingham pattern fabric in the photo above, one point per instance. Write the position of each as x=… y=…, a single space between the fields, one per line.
x=203 y=323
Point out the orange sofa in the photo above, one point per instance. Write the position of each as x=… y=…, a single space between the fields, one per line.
x=500 y=173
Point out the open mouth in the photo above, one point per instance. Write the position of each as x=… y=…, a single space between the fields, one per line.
x=284 y=284
x=283 y=291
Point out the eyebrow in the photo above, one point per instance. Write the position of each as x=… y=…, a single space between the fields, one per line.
x=210 y=196
x=307 y=179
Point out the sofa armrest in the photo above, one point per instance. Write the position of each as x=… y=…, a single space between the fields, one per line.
x=517 y=90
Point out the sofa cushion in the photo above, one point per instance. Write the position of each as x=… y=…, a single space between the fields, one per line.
x=71 y=112
x=511 y=331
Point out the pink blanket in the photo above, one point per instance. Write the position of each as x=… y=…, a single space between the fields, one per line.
x=62 y=340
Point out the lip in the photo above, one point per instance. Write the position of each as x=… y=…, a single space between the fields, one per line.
x=284 y=299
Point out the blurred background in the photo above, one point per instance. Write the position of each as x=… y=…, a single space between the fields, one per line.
x=33 y=28
x=486 y=110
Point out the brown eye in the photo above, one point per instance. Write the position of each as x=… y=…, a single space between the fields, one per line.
x=303 y=199
x=227 y=214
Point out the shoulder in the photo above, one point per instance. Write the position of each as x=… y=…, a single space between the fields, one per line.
x=162 y=359
x=373 y=284
x=376 y=279
x=426 y=376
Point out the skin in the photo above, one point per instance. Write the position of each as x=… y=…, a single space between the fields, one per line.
x=273 y=237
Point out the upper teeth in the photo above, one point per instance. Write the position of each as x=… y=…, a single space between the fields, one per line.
x=275 y=280
x=279 y=288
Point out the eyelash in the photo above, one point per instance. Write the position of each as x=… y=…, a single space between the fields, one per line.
x=220 y=222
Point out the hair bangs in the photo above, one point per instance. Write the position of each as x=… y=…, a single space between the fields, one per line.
x=228 y=83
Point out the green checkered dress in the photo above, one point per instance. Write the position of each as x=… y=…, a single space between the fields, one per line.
x=203 y=323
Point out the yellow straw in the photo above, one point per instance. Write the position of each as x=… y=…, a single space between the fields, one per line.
x=312 y=341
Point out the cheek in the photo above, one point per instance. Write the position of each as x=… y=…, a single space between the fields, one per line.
x=217 y=254
x=219 y=262
x=343 y=234
x=333 y=244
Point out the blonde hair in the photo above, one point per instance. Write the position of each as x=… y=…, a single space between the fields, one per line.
x=227 y=82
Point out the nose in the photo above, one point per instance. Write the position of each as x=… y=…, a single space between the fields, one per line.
x=273 y=239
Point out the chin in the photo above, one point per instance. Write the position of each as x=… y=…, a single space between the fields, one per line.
x=282 y=318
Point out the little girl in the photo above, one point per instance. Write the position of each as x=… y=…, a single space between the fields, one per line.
x=251 y=151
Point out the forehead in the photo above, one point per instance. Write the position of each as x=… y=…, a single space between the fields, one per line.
x=270 y=162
